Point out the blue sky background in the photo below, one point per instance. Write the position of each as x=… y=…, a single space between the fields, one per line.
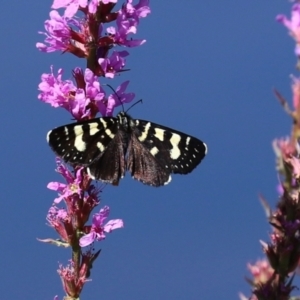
x=207 y=69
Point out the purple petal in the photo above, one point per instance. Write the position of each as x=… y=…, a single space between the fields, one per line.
x=56 y=186
x=113 y=224
x=99 y=218
x=87 y=239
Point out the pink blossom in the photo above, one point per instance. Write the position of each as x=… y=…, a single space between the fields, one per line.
x=70 y=5
x=295 y=163
x=296 y=91
x=261 y=271
x=284 y=148
x=98 y=229
x=73 y=183
x=58 y=33
x=125 y=27
x=114 y=64
x=140 y=10
x=293 y=25
x=54 y=90
x=63 y=93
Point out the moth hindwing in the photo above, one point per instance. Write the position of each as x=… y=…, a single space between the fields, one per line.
x=109 y=146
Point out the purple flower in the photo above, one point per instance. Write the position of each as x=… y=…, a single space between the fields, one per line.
x=106 y=1
x=71 y=6
x=58 y=33
x=78 y=107
x=98 y=229
x=295 y=163
x=73 y=182
x=293 y=25
x=125 y=27
x=106 y=107
x=72 y=283
x=93 y=5
x=296 y=91
x=114 y=64
x=60 y=221
x=140 y=10
x=284 y=147
x=63 y=93
x=56 y=215
x=54 y=90
x=93 y=89
x=279 y=189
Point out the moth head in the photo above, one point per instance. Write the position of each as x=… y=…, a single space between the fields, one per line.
x=123 y=119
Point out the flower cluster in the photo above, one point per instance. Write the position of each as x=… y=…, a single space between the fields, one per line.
x=85 y=99
x=273 y=277
x=84 y=38
x=92 y=30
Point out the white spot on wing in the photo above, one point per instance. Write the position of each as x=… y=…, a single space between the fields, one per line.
x=100 y=146
x=77 y=130
x=159 y=133
x=109 y=133
x=103 y=123
x=145 y=132
x=79 y=144
x=187 y=140
x=93 y=128
x=154 y=151
x=175 y=152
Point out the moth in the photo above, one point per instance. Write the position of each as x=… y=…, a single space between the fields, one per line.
x=110 y=146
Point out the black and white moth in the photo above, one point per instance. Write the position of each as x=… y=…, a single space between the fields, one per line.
x=109 y=146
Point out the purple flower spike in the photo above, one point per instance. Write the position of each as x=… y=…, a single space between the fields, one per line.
x=98 y=229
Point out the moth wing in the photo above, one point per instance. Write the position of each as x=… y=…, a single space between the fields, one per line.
x=174 y=150
x=83 y=142
x=143 y=166
x=110 y=166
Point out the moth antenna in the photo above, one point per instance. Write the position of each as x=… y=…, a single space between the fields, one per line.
x=140 y=101
x=116 y=95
